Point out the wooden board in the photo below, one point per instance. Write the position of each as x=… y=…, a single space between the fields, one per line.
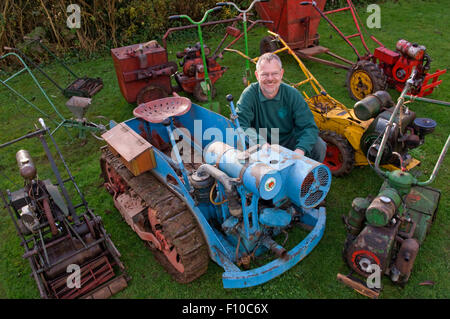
x=134 y=151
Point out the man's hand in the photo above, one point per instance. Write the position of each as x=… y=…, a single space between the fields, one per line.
x=300 y=152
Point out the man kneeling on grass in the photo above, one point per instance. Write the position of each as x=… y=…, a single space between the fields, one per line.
x=270 y=104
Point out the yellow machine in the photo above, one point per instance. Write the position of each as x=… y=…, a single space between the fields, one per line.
x=354 y=135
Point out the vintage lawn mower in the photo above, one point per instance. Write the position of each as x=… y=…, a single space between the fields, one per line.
x=192 y=197
x=231 y=31
x=350 y=133
x=78 y=105
x=383 y=68
x=199 y=72
x=62 y=239
x=372 y=71
x=386 y=232
x=194 y=72
x=80 y=86
x=144 y=72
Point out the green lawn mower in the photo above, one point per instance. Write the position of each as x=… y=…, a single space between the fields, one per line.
x=385 y=233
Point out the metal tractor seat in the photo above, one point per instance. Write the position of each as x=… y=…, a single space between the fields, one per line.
x=158 y=110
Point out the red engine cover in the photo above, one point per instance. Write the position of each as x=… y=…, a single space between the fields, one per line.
x=132 y=69
x=385 y=55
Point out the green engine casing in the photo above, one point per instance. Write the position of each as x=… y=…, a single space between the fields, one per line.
x=380 y=244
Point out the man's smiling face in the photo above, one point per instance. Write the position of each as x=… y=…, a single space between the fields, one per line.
x=269 y=76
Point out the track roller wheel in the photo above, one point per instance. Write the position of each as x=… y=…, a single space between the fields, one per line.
x=183 y=252
x=268 y=44
x=365 y=78
x=150 y=93
x=114 y=183
x=340 y=157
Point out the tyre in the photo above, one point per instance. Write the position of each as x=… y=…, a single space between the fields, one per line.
x=365 y=78
x=340 y=156
x=150 y=93
x=268 y=44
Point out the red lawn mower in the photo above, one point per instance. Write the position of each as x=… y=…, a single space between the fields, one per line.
x=372 y=72
x=383 y=68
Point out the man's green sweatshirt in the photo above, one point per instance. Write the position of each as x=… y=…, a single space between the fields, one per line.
x=287 y=112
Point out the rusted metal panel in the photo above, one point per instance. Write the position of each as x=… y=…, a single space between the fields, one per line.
x=296 y=24
x=140 y=65
x=372 y=246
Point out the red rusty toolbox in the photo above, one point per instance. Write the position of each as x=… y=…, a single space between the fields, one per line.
x=143 y=71
x=296 y=24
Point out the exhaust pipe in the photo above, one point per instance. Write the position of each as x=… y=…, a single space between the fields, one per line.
x=278 y=250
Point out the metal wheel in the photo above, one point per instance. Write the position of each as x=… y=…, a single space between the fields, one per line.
x=268 y=44
x=365 y=78
x=200 y=95
x=183 y=252
x=361 y=260
x=168 y=249
x=150 y=93
x=114 y=183
x=340 y=157
x=102 y=123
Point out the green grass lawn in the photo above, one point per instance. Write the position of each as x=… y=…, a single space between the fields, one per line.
x=424 y=22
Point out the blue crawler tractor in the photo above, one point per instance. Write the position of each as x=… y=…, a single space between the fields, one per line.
x=185 y=180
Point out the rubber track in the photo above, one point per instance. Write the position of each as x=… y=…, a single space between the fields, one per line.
x=178 y=225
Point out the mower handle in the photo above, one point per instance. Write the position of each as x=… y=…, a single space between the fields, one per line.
x=192 y=21
x=305 y=3
x=213 y=9
x=437 y=166
x=29 y=135
x=237 y=8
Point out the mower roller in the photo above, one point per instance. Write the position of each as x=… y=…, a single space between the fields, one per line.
x=191 y=197
x=384 y=234
x=70 y=253
x=350 y=133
